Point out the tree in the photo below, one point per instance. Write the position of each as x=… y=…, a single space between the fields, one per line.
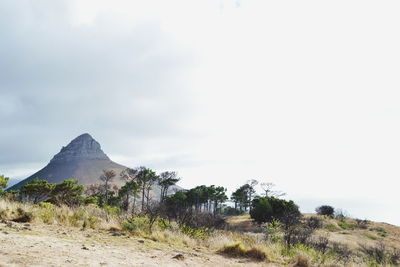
x=325 y=210
x=37 y=190
x=145 y=178
x=251 y=191
x=269 y=192
x=218 y=197
x=68 y=192
x=3 y=182
x=107 y=177
x=268 y=209
x=131 y=188
x=166 y=180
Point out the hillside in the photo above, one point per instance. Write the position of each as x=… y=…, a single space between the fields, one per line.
x=89 y=236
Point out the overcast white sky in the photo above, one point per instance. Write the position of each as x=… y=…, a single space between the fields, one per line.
x=304 y=94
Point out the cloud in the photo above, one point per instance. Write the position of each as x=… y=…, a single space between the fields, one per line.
x=117 y=78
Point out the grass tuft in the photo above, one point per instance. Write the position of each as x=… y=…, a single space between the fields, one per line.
x=237 y=250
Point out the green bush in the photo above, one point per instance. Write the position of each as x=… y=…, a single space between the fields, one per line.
x=346 y=226
x=134 y=224
x=198 y=233
x=112 y=210
x=163 y=224
x=331 y=227
x=268 y=209
x=325 y=210
x=47 y=212
x=381 y=232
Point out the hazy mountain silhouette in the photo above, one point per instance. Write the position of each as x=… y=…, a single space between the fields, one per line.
x=81 y=159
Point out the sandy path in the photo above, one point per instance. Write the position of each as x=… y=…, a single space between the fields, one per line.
x=49 y=245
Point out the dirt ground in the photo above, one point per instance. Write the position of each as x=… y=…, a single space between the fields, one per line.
x=52 y=245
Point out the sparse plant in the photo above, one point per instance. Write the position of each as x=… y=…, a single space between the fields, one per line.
x=362 y=224
x=313 y=222
x=342 y=251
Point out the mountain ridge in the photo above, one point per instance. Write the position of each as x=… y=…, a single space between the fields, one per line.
x=82 y=159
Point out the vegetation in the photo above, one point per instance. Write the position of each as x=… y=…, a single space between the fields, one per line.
x=325 y=210
x=3 y=182
x=270 y=228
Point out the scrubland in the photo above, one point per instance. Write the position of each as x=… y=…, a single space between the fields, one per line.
x=49 y=235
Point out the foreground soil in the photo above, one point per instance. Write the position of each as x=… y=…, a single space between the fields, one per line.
x=52 y=245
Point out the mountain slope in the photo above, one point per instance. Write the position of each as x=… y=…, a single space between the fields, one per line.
x=82 y=159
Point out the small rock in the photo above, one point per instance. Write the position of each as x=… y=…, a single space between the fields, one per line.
x=85 y=248
x=141 y=241
x=179 y=257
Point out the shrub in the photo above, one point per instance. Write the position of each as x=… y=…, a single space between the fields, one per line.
x=238 y=251
x=313 y=222
x=136 y=224
x=196 y=233
x=362 y=224
x=230 y=211
x=381 y=232
x=302 y=261
x=272 y=231
x=343 y=252
x=23 y=216
x=320 y=244
x=112 y=211
x=376 y=253
x=47 y=212
x=297 y=235
x=325 y=210
x=331 y=227
x=268 y=209
x=346 y=226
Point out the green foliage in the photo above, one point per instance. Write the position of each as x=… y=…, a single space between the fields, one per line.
x=198 y=233
x=331 y=227
x=229 y=211
x=37 y=190
x=242 y=197
x=165 y=181
x=3 y=182
x=91 y=200
x=68 y=192
x=47 y=212
x=347 y=226
x=381 y=232
x=268 y=209
x=112 y=210
x=325 y=210
x=163 y=224
x=136 y=224
x=272 y=231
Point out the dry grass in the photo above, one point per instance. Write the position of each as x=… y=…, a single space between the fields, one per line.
x=243 y=240
x=238 y=251
x=84 y=216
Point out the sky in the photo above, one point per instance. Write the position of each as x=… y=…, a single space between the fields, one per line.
x=304 y=94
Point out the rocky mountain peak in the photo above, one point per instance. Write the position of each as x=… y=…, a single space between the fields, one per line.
x=83 y=147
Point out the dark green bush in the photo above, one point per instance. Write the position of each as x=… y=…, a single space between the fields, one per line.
x=268 y=209
x=325 y=210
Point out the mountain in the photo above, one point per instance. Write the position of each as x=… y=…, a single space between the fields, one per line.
x=82 y=159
